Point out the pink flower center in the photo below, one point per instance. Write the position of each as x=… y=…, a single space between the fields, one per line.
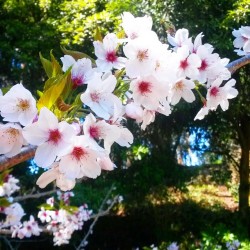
x=144 y=87
x=78 y=153
x=54 y=136
x=94 y=132
x=214 y=91
x=29 y=228
x=179 y=85
x=77 y=81
x=94 y=97
x=184 y=64
x=203 y=65
x=133 y=35
x=142 y=55
x=111 y=56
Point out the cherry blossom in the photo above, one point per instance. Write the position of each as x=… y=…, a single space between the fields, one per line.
x=81 y=160
x=30 y=228
x=18 y=105
x=51 y=137
x=14 y=214
x=52 y=174
x=188 y=63
x=242 y=40
x=99 y=97
x=82 y=72
x=217 y=95
x=9 y=186
x=141 y=56
x=11 y=139
x=182 y=89
x=67 y=61
x=148 y=92
x=106 y=53
x=181 y=38
x=135 y=27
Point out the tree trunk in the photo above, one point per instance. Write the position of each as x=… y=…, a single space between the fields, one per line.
x=244 y=136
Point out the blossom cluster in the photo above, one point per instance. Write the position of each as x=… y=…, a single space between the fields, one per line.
x=9 y=185
x=64 y=221
x=136 y=76
x=60 y=218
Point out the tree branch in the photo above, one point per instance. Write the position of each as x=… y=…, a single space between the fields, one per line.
x=26 y=153
x=33 y=196
x=235 y=65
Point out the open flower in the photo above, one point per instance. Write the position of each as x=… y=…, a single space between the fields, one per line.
x=98 y=96
x=82 y=72
x=135 y=27
x=81 y=160
x=242 y=40
x=11 y=139
x=148 y=92
x=18 y=105
x=182 y=89
x=217 y=95
x=51 y=137
x=105 y=51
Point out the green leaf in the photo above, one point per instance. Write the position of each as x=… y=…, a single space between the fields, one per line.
x=50 y=96
x=98 y=35
x=46 y=206
x=47 y=65
x=56 y=67
x=4 y=202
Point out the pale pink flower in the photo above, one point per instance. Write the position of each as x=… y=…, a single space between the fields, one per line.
x=106 y=52
x=54 y=174
x=44 y=215
x=82 y=72
x=18 y=105
x=99 y=97
x=135 y=27
x=81 y=160
x=134 y=111
x=202 y=113
x=148 y=92
x=181 y=89
x=148 y=117
x=51 y=137
x=207 y=60
x=9 y=186
x=30 y=228
x=242 y=40
x=218 y=70
x=67 y=61
x=141 y=54
x=98 y=130
x=106 y=163
x=181 y=38
x=217 y=95
x=188 y=63
x=14 y=214
x=11 y=139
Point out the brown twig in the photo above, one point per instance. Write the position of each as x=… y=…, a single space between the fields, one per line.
x=26 y=153
x=33 y=196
